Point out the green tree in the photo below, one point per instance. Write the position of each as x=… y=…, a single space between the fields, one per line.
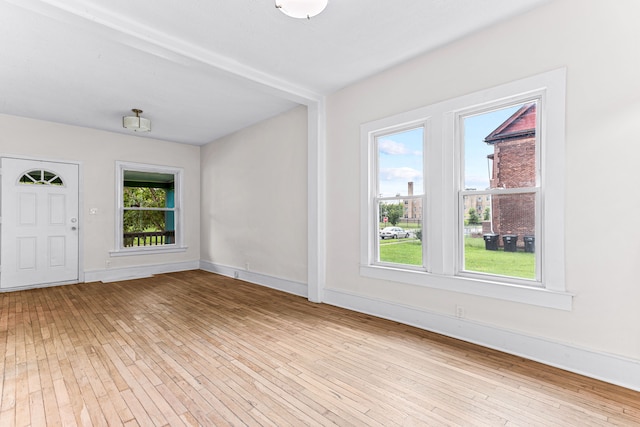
x=473 y=217
x=394 y=212
x=137 y=220
x=487 y=213
x=382 y=208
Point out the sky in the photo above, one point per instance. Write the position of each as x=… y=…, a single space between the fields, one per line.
x=400 y=155
x=476 y=129
x=400 y=162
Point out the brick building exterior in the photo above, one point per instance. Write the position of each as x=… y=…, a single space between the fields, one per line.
x=412 y=207
x=514 y=166
x=478 y=203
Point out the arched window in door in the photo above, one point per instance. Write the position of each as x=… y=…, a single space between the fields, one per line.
x=41 y=177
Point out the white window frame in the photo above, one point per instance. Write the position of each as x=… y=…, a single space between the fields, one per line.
x=537 y=97
x=178 y=246
x=441 y=210
x=375 y=137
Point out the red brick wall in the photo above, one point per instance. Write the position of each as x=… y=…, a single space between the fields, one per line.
x=514 y=163
x=514 y=214
x=514 y=166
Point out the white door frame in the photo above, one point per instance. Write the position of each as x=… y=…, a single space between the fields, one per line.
x=81 y=223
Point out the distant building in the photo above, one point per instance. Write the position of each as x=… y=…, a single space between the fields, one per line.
x=412 y=207
x=479 y=203
x=514 y=166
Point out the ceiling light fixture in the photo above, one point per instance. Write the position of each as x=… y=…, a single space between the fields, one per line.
x=137 y=123
x=301 y=8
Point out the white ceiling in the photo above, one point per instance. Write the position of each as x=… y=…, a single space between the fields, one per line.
x=202 y=69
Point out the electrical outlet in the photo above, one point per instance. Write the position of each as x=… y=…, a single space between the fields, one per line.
x=246 y=265
x=235 y=274
x=459 y=311
x=107 y=263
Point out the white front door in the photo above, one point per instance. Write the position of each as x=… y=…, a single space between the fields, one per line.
x=39 y=231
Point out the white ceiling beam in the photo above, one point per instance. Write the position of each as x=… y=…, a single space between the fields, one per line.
x=150 y=40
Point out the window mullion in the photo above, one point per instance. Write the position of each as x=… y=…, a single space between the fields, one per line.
x=442 y=163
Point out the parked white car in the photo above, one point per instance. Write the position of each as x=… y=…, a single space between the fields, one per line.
x=393 y=233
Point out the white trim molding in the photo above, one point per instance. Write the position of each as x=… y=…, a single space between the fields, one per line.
x=599 y=365
x=138 y=272
x=178 y=245
x=40 y=285
x=508 y=292
x=284 y=285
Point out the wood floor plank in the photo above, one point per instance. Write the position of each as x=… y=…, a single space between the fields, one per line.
x=194 y=348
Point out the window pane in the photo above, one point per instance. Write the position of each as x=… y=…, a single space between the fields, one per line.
x=48 y=176
x=501 y=239
x=400 y=160
x=145 y=197
x=500 y=148
x=148 y=189
x=148 y=228
x=401 y=232
x=150 y=205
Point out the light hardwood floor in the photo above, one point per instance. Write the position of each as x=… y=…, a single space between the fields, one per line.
x=195 y=348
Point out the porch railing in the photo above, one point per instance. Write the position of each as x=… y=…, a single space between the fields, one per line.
x=149 y=238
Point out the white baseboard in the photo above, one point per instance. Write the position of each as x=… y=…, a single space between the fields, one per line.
x=137 y=272
x=605 y=367
x=285 y=285
x=41 y=285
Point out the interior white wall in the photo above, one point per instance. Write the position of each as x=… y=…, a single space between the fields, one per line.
x=252 y=192
x=97 y=152
x=596 y=41
x=254 y=198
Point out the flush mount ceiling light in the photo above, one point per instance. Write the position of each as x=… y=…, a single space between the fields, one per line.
x=301 y=8
x=137 y=123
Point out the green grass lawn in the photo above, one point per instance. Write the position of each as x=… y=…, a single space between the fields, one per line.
x=477 y=258
x=401 y=251
x=513 y=264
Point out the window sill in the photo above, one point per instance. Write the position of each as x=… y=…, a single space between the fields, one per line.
x=504 y=291
x=148 y=250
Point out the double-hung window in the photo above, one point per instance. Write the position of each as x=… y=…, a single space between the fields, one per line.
x=467 y=194
x=399 y=196
x=149 y=214
x=499 y=149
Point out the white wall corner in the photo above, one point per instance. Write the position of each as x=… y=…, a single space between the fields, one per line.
x=316 y=205
x=284 y=285
x=598 y=365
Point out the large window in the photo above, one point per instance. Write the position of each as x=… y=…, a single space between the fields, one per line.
x=400 y=194
x=467 y=194
x=149 y=216
x=500 y=195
